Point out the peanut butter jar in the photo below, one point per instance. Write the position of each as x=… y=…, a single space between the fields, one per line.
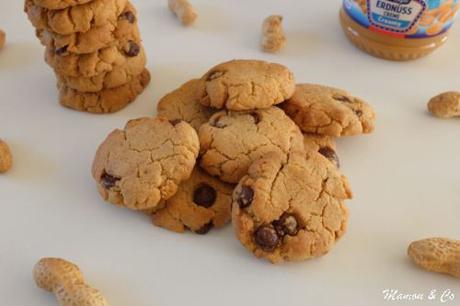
x=398 y=30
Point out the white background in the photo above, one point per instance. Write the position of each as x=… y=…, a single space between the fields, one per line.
x=405 y=177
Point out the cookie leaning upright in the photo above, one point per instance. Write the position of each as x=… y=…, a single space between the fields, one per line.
x=247 y=84
x=142 y=165
x=290 y=210
x=95 y=50
x=329 y=111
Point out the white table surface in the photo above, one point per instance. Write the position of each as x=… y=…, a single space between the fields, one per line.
x=405 y=177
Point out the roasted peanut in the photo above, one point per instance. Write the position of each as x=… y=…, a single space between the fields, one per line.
x=66 y=281
x=445 y=105
x=273 y=38
x=183 y=10
x=2 y=39
x=6 y=159
x=440 y=255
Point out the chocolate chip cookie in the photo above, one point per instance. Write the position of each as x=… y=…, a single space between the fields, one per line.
x=200 y=204
x=325 y=145
x=59 y=4
x=117 y=76
x=231 y=141
x=88 y=65
x=290 y=210
x=106 y=100
x=79 y=18
x=142 y=165
x=183 y=103
x=329 y=111
x=125 y=35
x=247 y=84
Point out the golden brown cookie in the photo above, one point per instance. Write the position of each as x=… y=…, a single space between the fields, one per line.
x=107 y=100
x=247 y=84
x=142 y=165
x=79 y=18
x=290 y=210
x=184 y=104
x=324 y=145
x=124 y=35
x=200 y=204
x=59 y=4
x=329 y=111
x=232 y=141
x=2 y=39
x=6 y=158
x=118 y=76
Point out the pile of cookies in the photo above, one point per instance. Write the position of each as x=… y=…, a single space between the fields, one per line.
x=95 y=49
x=241 y=143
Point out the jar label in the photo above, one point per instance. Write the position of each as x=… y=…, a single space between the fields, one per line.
x=404 y=18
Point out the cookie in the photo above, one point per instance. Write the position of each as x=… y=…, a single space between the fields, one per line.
x=329 y=111
x=124 y=35
x=59 y=4
x=324 y=145
x=107 y=100
x=142 y=165
x=118 y=76
x=2 y=39
x=80 y=18
x=247 y=84
x=200 y=204
x=183 y=103
x=6 y=158
x=231 y=141
x=87 y=65
x=445 y=105
x=290 y=210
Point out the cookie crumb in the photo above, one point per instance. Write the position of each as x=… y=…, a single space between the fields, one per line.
x=445 y=105
x=184 y=11
x=6 y=159
x=2 y=39
x=273 y=39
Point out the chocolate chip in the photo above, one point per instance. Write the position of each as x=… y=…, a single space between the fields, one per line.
x=256 y=117
x=330 y=154
x=266 y=237
x=218 y=123
x=205 y=196
x=175 y=121
x=359 y=113
x=205 y=229
x=61 y=51
x=286 y=225
x=215 y=75
x=128 y=16
x=108 y=181
x=245 y=197
x=342 y=98
x=132 y=49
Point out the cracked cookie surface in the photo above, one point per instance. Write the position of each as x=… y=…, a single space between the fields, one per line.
x=121 y=35
x=142 y=165
x=329 y=111
x=324 y=145
x=231 y=141
x=106 y=100
x=59 y=4
x=201 y=203
x=79 y=18
x=246 y=85
x=290 y=210
x=117 y=76
x=183 y=103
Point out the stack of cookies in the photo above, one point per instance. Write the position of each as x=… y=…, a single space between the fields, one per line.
x=95 y=49
x=241 y=143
